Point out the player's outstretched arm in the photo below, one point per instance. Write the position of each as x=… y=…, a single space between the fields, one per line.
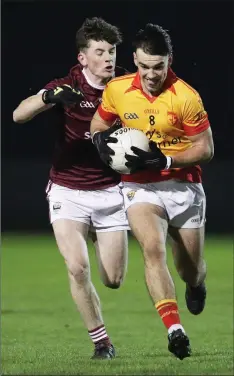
x=29 y=108
x=63 y=95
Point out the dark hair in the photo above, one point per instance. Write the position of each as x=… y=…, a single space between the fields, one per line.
x=153 y=40
x=96 y=29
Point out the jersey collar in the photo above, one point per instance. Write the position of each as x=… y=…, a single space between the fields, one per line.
x=95 y=86
x=168 y=84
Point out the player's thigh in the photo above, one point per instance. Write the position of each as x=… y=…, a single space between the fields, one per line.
x=112 y=254
x=108 y=211
x=187 y=227
x=185 y=204
x=187 y=246
x=66 y=203
x=70 y=217
x=71 y=239
x=148 y=223
x=146 y=214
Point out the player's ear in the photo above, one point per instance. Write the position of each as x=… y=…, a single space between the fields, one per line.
x=82 y=59
x=170 y=60
x=135 y=59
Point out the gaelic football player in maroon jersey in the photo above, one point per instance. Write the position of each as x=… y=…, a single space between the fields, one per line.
x=84 y=193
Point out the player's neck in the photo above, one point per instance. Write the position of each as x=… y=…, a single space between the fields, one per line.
x=94 y=81
x=154 y=94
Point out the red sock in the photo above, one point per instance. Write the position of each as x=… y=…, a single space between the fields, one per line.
x=99 y=334
x=168 y=310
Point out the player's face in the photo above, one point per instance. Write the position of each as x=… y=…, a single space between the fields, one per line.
x=152 y=70
x=99 y=58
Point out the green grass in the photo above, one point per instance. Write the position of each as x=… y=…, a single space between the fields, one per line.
x=42 y=334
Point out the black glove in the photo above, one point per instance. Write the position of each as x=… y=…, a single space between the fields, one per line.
x=64 y=95
x=153 y=159
x=101 y=139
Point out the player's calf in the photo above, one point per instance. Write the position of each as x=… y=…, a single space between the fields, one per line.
x=169 y=313
x=195 y=293
x=192 y=273
x=187 y=247
x=112 y=255
x=178 y=340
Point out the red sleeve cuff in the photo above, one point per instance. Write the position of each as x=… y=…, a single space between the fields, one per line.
x=192 y=131
x=105 y=115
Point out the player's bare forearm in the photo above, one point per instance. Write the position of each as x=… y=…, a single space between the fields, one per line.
x=29 y=108
x=193 y=156
x=201 y=151
x=98 y=124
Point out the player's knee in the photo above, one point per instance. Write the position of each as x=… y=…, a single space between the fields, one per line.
x=113 y=282
x=154 y=252
x=79 y=271
x=112 y=285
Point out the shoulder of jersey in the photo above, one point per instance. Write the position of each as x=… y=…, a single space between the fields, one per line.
x=183 y=89
x=76 y=71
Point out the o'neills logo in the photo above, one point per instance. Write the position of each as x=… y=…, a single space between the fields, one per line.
x=151 y=111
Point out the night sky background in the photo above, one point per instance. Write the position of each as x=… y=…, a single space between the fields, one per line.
x=38 y=44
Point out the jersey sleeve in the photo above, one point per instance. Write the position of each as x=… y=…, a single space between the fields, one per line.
x=106 y=109
x=194 y=117
x=56 y=82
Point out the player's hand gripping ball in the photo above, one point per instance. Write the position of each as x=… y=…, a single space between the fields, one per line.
x=126 y=138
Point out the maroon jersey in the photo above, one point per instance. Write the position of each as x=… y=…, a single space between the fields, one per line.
x=76 y=162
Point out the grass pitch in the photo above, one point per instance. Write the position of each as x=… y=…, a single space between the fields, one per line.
x=42 y=334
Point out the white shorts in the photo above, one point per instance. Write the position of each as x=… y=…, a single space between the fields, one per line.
x=102 y=209
x=184 y=202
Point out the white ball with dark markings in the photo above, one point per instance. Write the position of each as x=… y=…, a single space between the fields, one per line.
x=127 y=137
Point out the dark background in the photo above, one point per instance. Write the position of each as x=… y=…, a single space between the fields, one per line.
x=38 y=44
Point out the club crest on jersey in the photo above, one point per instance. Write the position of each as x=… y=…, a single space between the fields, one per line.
x=172 y=117
x=130 y=195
